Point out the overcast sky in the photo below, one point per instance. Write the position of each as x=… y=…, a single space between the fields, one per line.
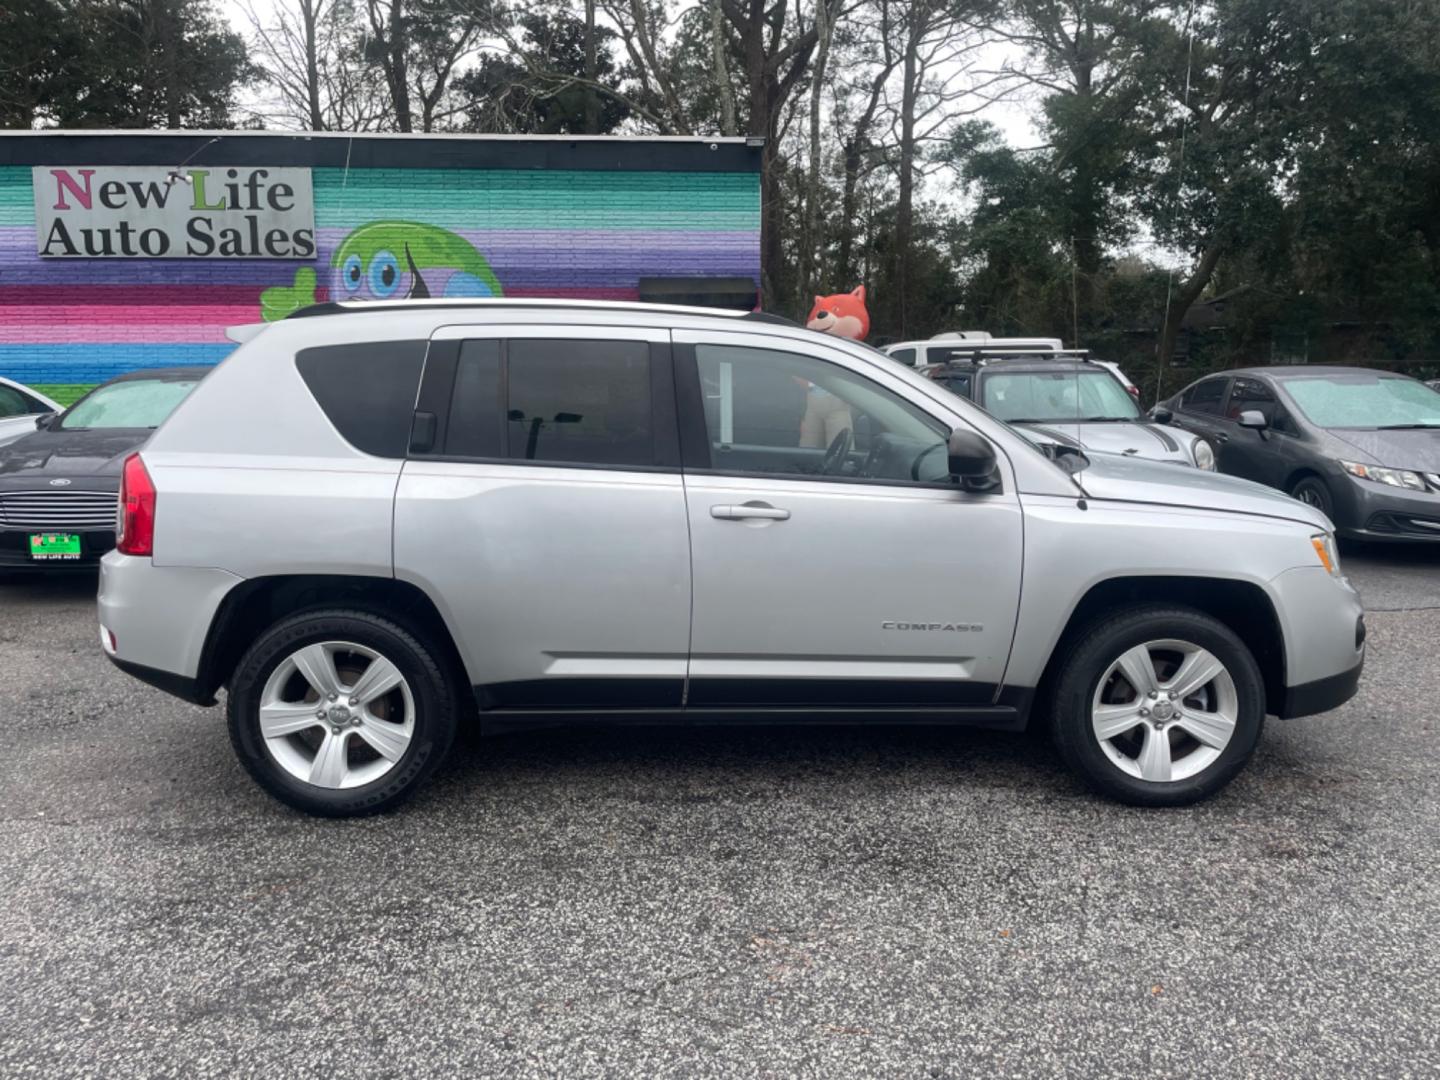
x=1011 y=117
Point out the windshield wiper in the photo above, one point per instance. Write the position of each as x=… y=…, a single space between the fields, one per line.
x=1104 y=420
x=1404 y=427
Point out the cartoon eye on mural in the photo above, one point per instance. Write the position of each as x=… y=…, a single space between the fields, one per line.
x=391 y=260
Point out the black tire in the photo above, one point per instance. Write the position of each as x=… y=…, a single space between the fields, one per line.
x=433 y=692
x=1312 y=491
x=1093 y=651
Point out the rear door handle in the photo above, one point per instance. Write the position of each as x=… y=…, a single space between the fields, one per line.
x=747 y=511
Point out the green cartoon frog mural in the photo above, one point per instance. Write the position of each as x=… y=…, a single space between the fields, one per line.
x=390 y=260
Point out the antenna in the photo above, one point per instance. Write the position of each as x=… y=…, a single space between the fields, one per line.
x=178 y=173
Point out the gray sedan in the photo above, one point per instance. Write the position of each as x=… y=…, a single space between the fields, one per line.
x=1360 y=445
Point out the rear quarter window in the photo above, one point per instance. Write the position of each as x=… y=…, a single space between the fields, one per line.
x=367 y=390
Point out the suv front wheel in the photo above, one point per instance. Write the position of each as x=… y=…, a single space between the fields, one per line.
x=340 y=713
x=1158 y=706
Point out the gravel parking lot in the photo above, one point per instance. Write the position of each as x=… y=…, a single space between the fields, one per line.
x=926 y=903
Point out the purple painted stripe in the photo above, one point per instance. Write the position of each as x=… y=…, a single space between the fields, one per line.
x=184 y=277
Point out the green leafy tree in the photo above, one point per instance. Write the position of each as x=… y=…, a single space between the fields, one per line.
x=122 y=63
x=548 y=85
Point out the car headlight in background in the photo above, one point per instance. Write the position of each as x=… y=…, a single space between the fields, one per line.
x=1204 y=455
x=1326 y=552
x=1401 y=478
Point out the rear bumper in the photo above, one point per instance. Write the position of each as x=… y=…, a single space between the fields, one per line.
x=184 y=688
x=155 y=620
x=1322 y=695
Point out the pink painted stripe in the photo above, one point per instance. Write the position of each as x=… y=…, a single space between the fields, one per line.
x=107 y=333
x=552 y=293
x=132 y=314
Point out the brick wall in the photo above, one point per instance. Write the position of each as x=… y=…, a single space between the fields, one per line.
x=66 y=324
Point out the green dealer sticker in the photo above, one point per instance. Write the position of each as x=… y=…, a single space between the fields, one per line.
x=54 y=546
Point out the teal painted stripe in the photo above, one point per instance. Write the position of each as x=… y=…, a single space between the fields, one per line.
x=461 y=198
x=561 y=219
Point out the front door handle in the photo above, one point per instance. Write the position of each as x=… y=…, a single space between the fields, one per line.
x=748 y=511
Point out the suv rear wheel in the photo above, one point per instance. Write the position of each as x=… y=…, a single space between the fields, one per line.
x=340 y=713
x=1158 y=706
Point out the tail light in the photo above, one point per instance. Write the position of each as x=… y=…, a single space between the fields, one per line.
x=135 y=530
x=1134 y=392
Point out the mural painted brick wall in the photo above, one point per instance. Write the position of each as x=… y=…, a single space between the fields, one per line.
x=66 y=324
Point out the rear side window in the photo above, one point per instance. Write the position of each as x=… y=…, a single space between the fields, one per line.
x=367 y=390
x=563 y=401
x=1204 y=396
x=905 y=356
x=12 y=402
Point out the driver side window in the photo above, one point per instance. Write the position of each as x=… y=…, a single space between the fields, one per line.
x=789 y=414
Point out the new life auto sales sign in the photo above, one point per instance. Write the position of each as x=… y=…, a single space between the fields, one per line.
x=142 y=212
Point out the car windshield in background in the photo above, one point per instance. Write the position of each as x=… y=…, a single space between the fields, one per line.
x=137 y=403
x=1365 y=401
x=1057 y=397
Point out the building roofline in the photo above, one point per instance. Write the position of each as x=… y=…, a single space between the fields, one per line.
x=381 y=150
x=299 y=133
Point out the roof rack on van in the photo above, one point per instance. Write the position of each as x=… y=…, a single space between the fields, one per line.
x=983 y=354
x=351 y=307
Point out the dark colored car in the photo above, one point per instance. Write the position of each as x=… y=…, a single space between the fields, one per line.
x=58 y=484
x=1360 y=445
x=1070 y=401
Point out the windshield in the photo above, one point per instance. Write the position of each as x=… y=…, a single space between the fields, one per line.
x=1362 y=400
x=135 y=403
x=1056 y=397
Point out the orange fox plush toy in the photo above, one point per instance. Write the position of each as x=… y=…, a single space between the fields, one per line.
x=843 y=315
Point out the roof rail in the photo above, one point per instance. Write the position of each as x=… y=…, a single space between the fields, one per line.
x=353 y=307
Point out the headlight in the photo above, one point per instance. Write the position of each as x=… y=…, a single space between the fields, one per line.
x=1326 y=552
x=1204 y=455
x=1401 y=478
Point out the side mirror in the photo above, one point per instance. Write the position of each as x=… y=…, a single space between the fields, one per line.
x=972 y=461
x=1161 y=415
x=1253 y=418
x=44 y=421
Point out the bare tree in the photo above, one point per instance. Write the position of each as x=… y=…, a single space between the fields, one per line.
x=939 y=83
x=419 y=46
x=826 y=12
x=310 y=55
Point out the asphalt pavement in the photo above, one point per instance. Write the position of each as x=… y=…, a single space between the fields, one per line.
x=831 y=902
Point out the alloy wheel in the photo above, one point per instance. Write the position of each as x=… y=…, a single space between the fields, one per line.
x=1164 y=710
x=336 y=714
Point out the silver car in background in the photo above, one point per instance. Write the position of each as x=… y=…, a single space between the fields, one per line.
x=373 y=523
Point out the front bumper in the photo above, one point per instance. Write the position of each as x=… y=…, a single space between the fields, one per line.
x=1369 y=511
x=1322 y=695
x=1323 y=625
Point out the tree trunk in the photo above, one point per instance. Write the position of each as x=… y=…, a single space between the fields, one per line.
x=723 y=89
x=905 y=202
x=392 y=41
x=592 y=99
x=1183 y=299
x=810 y=245
x=308 y=15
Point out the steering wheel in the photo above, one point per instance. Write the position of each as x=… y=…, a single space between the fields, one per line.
x=915 y=465
x=835 y=453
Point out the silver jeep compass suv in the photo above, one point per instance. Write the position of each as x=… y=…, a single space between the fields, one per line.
x=373 y=523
